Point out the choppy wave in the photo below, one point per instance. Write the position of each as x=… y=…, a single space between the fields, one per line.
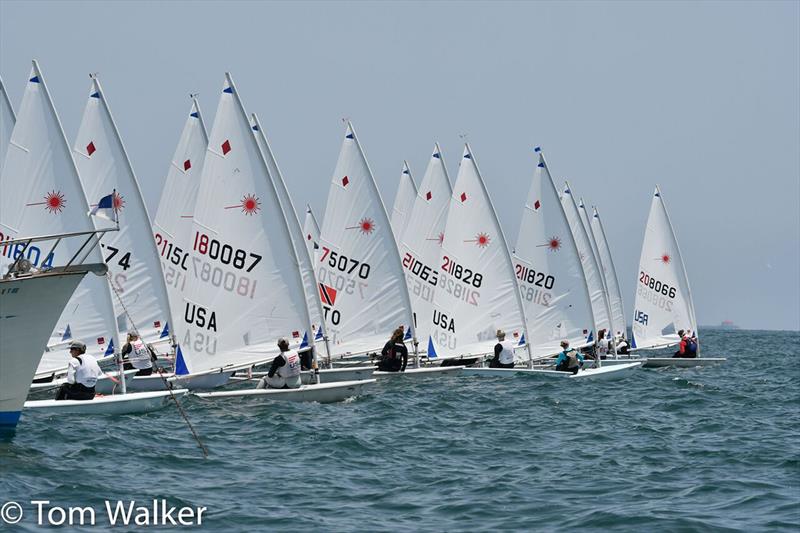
x=666 y=450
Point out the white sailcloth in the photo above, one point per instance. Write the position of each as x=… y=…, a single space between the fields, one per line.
x=42 y=195
x=610 y=274
x=361 y=281
x=7 y=120
x=403 y=201
x=591 y=270
x=421 y=242
x=133 y=262
x=311 y=234
x=296 y=233
x=245 y=290
x=587 y=226
x=172 y=227
x=477 y=292
x=549 y=272
x=663 y=303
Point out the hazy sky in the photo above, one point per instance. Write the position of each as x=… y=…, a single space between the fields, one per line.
x=702 y=98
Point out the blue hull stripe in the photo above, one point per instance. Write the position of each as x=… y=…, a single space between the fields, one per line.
x=9 y=418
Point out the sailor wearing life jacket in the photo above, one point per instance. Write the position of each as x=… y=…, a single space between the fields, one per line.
x=82 y=374
x=688 y=345
x=137 y=354
x=394 y=356
x=569 y=360
x=503 y=352
x=285 y=370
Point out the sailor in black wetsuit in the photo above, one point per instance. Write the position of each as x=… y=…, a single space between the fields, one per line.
x=394 y=355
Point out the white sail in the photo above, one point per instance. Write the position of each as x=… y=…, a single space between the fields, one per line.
x=172 y=227
x=587 y=226
x=591 y=270
x=140 y=293
x=245 y=289
x=361 y=281
x=548 y=270
x=663 y=303
x=296 y=233
x=610 y=273
x=7 y=120
x=421 y=242
x=311 y=234
x=477 y=293
x=403 y=201
x=42 y=195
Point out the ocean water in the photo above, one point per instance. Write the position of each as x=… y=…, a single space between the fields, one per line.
x=709 y=449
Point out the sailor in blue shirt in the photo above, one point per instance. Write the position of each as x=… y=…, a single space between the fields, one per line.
x=569 y=360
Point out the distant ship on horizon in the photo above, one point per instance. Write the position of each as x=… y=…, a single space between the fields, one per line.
x=728 y=324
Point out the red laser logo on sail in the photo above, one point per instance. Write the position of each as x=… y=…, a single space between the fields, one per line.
x=250 y=205
x=665 y=258
x=365 y=225
x=481 y=239
x=118 y=201
x=554 y=244
x=54 y=202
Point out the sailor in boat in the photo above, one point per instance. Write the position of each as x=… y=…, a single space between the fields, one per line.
x=285 y=370
x=137 y=355
x=503 y=352
x=394 y=355
x=688 y=345
x=603 y=345
x=82 y=374
x=569 y=360
x=622 y=345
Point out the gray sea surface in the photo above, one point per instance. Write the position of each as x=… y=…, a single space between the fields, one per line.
x=706 y=449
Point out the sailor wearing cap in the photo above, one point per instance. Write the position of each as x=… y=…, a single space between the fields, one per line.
x=82 y=374
x=285 y=370
x=503 y=352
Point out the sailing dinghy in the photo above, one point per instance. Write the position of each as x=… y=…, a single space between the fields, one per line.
x=562 y=311
x=663 y=303
x=131 y=255
x=42 y=195
x=246 y=289
x=117 y=404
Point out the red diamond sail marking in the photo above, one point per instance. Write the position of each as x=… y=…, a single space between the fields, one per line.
x=537 y=205
x=226 y=147
x=428 y=196
x=463 y=197
x=345 y=181
x=90 y=149
x=187 y=165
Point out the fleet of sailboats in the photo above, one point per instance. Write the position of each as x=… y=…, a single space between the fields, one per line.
x=226 y=269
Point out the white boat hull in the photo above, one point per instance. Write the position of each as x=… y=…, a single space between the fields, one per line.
x=602 y=373
x=151 y=383
x=335 y=375
x=118 y=404
x=201 y=381
x=421 y=372
x=106 y=384
x=322 y=393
